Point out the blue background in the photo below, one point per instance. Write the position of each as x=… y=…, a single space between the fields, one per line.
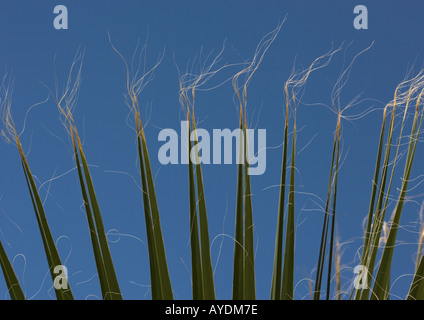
x=34 y=52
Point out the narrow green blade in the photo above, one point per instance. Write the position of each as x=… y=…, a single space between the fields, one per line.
x=365 y=247
x=288 y=268
x=115 y=292
x=156 y=226
x=56 y=269
x=278 y=253
x=416 y=291
x=63 y=292
x=159 y=275
x=374 y=187
x=101 y=269
x=383 y=275
x=238 y=274
x=196 y=262
x=249 y=259
x=333 y=222
x=380 y=211
x=13 y=286
x=151 y=243
x=323 y=244
x=207 y=271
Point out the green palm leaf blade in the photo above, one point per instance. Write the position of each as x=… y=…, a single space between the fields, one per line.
x=63 y=292
x=383 y=274
x=13 y=286
x=330 y=258
x=101 y=269
x=380 y=211
x=153 y=259
x=159 y=275
x=207 y=271
x=323 y=244
x=374 y=187
x=416 y=291
x=113 y=285
x=365 y=250
x=166 y=288
x=196 y=262
x=249 y=259
x=278 y=254
x=238 y=273
x=288 y=267
x=52 y=254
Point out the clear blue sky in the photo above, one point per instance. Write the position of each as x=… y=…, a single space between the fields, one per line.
x=35 y=52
